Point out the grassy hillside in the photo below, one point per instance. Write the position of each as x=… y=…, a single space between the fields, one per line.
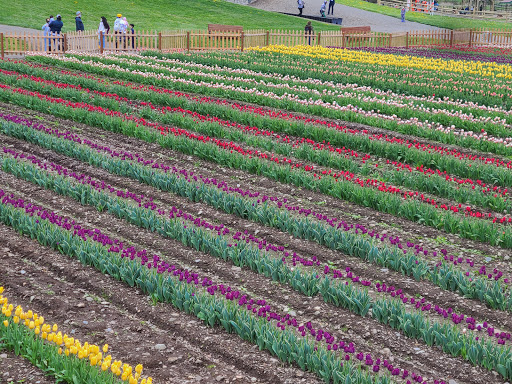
x=148 y=14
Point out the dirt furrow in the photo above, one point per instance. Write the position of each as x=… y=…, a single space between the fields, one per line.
x=305 y=248
x=369 y=336
x=16 y=369
x=427 y=237
x=172 y=346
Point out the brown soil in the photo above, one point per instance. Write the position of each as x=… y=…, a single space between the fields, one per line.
x=369 y=336
x=100 y=309
x=16 y=369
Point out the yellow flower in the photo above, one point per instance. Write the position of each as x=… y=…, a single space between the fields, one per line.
x=149 y=380
x=143 y=381
x=105 y=348
x=1 y=290
x=60 y=351
x=94 y=360
x=41 y=320
x=8 y=313
x=132 y=380
x=104 y=366
x=124 y=377
x=54 y=329
x=6 y=323
x=44 y=335
x=66 y=352
x=31 y=325
x=37 y=330
x=50 y=336
x=80 y=354
x=138 y=368
x=16 y=319
x=29 y=314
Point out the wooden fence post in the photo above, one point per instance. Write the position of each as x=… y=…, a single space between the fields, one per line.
x=188 y=41
x=318 y=41
x=101 y=43
x=242 y=41
x=470 y=37
x=65 y=43
x=406 y=40
x=160 y=41
x=451 y=38
x=390 y=36
x=268 y=38
x=2 y=44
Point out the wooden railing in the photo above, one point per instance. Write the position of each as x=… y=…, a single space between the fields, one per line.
x=90 y=42
x=427 y=7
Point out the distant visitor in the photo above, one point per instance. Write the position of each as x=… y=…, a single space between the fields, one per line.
x=78 y=21
x=403 y=14
x=309 y=31
x=322 y=8
x=330 y=11
x=300 y=4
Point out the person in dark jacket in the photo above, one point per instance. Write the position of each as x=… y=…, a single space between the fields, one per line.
x=308 y=31
x=55 y=28
x=79 y=23
x=132 y=33
x=330 y=11
x=56 y=25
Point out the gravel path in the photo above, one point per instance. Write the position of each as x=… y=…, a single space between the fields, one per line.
x=12 y=28
x=352 y=17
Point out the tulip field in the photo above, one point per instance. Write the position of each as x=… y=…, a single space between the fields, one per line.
x=280 y=215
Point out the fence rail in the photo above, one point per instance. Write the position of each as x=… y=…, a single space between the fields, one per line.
x=12 y=43
x=428 y=7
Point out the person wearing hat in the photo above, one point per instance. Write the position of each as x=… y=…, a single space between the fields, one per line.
x=79 y=23
x=55 y=28
x=56 y=25
x=117 y=27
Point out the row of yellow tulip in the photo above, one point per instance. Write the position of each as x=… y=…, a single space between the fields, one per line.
x=70 y=346
x=484 y=69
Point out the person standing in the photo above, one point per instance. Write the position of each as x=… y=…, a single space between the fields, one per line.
x=78 y=21
x=46 y=32
x=309 y=31
x=104 y=28
x=56 y=25
x=331 y=7
x=117 y=27
x=55 y=28
x=322 y=8
x=402 y=13
x=123 y=30
x=300 y=4
x=132 y=33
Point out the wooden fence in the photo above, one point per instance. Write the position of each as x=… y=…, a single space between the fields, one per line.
x=428 y=7
x=12 y=43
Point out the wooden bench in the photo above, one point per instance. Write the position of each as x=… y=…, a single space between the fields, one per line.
x=225 y=36
x=350 y=35
x=347 y=30
x=224 y=28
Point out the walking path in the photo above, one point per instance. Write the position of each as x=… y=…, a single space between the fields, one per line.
x=12 y=28
x=352 y=17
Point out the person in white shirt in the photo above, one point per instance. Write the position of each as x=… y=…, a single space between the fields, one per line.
x=104 y=28
x=117 y=27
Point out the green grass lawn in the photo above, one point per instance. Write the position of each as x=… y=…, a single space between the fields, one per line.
x=437 y=21
x=149 y=14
